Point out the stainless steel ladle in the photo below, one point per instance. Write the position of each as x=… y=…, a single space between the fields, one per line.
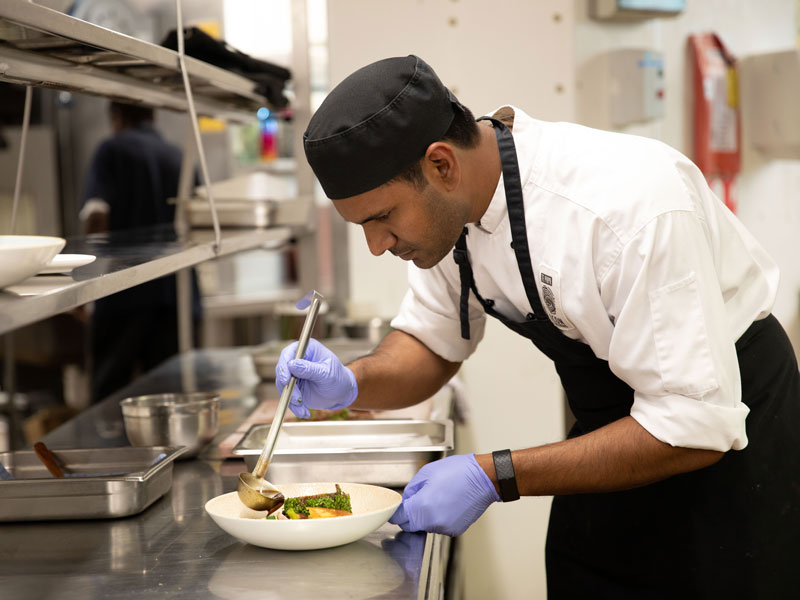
x=255 y=491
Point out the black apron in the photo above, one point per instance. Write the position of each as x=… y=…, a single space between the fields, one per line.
x=731 y=530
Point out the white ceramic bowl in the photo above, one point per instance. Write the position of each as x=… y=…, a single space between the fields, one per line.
x=372 y=507
x=23 y=256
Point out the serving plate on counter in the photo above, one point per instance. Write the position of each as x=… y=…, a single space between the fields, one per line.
x=385 y=452
x=372 y=507
x=100 y=483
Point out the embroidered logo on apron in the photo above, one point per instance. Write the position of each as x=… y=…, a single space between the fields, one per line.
x=551 y=297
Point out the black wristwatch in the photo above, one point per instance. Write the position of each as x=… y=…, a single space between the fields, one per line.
x=506 y=479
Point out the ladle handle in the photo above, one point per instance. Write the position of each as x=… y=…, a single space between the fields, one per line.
x=286 y=395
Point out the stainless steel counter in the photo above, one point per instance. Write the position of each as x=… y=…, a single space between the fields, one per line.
x=174 y=550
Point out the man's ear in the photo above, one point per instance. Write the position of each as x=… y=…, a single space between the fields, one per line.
x=441 y=166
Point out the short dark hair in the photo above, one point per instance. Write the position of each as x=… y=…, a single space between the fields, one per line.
x=463 y=132
x=131 y=115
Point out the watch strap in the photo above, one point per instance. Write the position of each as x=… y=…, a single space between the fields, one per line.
x=506 y=479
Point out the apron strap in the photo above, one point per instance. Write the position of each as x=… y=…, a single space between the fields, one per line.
x=465 y=274
x=512 y=182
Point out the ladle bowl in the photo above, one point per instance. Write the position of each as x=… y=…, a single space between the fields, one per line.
x=257 y=493
x=254 y=491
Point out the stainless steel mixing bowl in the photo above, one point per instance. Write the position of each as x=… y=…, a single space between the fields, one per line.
x=190 y=419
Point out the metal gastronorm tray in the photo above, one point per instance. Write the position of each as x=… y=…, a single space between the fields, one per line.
x=383 y=452
x=102 y=483
x=232 y=213
x=266 y=356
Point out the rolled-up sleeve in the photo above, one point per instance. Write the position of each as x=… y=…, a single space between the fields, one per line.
x=673 y=341
x=430 y=313
x=687 y=422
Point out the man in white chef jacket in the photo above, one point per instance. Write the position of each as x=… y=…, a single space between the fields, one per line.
x=681 y=477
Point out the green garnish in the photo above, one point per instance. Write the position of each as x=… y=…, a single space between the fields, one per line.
x=341 y=415
x=293 y=508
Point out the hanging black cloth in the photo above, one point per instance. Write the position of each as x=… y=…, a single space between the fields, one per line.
x=731 y=530
x=270 y=78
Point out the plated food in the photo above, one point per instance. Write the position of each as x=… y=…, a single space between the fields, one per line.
x=371 y=506
x=317 y=506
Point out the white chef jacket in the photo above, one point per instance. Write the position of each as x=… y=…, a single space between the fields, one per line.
x=635 y=256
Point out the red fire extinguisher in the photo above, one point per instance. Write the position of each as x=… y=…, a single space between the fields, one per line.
x=717 y=126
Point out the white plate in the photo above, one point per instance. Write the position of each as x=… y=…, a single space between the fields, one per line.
x=22 y=256
x=64 y=263
x=372 y=507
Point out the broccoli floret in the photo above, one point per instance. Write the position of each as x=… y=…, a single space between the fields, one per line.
x=292 y=514
x=292 y=508
x=295 y=507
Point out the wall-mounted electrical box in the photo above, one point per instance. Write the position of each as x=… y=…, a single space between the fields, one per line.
x=634 y=10
x=621 y=87
x=770 y=94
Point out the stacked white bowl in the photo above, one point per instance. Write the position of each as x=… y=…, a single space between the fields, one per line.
x=23 y=256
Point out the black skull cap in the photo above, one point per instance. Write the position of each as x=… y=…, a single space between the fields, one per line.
x=376 y=123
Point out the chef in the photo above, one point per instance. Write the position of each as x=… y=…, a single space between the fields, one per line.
x=681 y=477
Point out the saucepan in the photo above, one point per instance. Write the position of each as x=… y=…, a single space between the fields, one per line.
x=175 y=419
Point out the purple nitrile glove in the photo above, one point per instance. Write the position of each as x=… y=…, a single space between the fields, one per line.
x=323 y=382
x=445 y=496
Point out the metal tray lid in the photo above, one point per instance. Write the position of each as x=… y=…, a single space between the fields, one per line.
x=352 y=437
x=85 y=469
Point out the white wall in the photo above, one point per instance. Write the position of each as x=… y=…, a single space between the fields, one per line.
x=767 y=191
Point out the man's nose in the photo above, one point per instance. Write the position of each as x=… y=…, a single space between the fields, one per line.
x=379 y=238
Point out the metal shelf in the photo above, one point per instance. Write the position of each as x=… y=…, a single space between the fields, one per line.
x=46 y=48
x=124 y=259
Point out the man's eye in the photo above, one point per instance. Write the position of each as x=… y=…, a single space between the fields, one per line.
x=384 y=216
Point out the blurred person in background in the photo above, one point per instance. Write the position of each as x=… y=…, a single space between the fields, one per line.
x=132 y=176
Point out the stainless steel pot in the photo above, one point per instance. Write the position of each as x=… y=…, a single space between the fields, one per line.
x=374 y=329
x=181 y=419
